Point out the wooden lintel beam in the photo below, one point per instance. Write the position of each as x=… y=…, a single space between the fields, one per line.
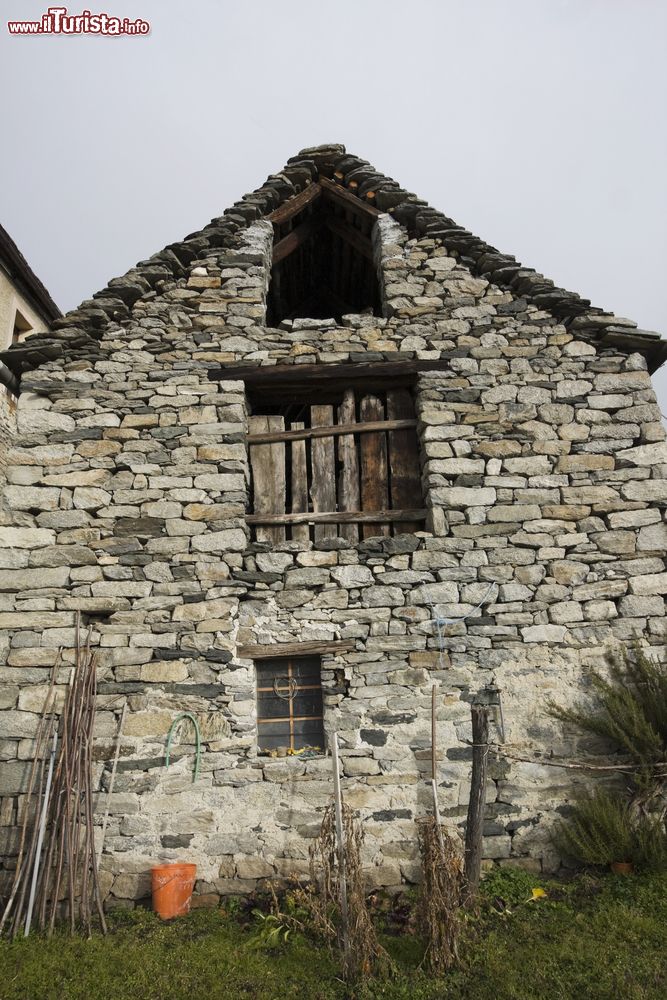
x=295 y=204
x=340 y=517
x=280 y=649
x=352 y=237
x=293 y=240
x=276 y=375
x=334 y=431
x=338 y=193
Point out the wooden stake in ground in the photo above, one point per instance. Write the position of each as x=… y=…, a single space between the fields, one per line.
x=475 y=821
x=112 y=780
x=434 y=771
x=40 y=836
x=340 y=844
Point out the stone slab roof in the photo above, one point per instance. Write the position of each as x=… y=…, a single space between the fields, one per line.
x=25 y=279
x=76 y=334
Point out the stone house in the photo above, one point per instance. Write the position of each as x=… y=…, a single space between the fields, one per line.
x=25 y=308
x=25 y=305
x=188 y=475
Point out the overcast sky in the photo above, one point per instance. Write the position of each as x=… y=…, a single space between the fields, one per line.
x=537 y=124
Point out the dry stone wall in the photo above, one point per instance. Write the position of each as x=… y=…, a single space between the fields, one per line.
x=127 y=486
x=7 y=423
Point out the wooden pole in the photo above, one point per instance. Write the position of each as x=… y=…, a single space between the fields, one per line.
x=475 y=821
x=112 y=780
x=40 y=742
x=340 y=837
x=40 y=835
x=434 y=771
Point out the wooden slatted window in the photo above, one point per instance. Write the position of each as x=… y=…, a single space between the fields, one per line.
x=289 y=704
x=345 y=466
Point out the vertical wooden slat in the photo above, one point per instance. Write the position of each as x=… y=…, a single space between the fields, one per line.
x=404 y=469
x=348 y=481
x=357 y=274
x=298 y=266
x=288 y=276
x=373 y=448
x=340 y=255
x=334 y=259
x=346 y=263
x=307 y=266
x=323 y=462
x=276 y=292
x=300 y=532
x=291 y=705
x=268 y=474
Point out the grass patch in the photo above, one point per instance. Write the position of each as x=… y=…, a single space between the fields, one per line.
x=593 y=937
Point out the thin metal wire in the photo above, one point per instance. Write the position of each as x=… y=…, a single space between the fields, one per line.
x=441 y=622
x=500 y=750
x=292 y=689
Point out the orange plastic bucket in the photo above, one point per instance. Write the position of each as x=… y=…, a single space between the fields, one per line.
x=172 y=889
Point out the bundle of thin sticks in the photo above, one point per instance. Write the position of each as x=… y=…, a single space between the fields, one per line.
x=56 y=868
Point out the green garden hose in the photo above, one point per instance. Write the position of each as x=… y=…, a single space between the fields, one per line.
x=179 y=718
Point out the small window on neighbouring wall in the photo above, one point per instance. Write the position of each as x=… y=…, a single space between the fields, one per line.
x=289 y=706
x=21 y=328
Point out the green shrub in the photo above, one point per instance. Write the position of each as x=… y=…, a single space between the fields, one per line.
x=652 y=843
x=604 y=827
x=631 y=714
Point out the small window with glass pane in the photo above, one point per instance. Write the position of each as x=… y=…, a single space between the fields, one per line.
x=289 y=706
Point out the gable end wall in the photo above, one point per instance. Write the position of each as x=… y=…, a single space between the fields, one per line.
x=126 y=492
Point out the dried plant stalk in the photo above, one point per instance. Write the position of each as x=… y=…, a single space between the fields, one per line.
x=440 y=895
x=364 y=955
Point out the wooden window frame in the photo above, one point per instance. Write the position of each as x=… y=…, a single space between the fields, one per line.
x=268 y=690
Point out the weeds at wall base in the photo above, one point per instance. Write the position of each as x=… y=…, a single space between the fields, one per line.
x=586 y=936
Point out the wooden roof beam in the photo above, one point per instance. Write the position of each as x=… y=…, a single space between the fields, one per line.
x=295 y=239
x=335 y=192
x=295 y=204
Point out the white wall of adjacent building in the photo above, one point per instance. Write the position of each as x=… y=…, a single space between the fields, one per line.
x=16 y=314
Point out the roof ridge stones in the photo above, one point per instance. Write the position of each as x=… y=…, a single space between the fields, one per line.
x=78 y=331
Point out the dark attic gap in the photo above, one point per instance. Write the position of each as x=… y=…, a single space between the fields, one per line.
x=322 y=257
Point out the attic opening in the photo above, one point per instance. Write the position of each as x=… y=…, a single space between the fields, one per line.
x=323 y=264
